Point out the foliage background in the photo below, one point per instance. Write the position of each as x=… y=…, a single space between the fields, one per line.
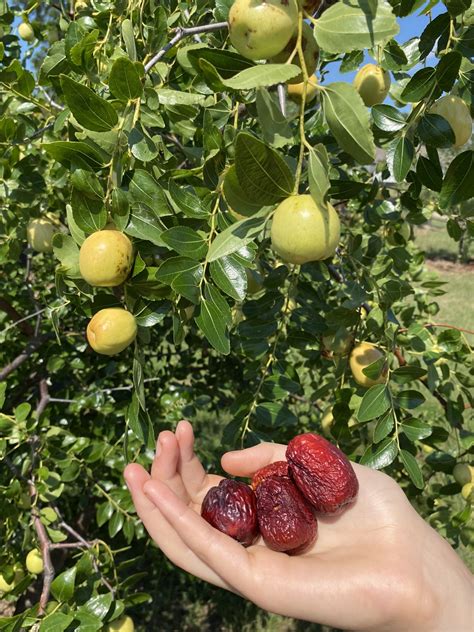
x=169 y=154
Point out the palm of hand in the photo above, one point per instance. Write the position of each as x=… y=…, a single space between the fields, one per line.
x=362 y=558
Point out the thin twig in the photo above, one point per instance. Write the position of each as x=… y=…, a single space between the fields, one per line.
x=180 y=34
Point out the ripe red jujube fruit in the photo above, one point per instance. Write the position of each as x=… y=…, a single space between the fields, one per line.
x=231 y=508
x=278 y=468
x=322 y=473
x=285 y=518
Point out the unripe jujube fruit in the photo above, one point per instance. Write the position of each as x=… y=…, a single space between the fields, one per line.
x=106 y=258
x=310 y=53
x=463 y=473
x=295 y=90
x=260 y=30
x=6 y=586
x=111 y=330
x=34 y=562
x=25 y=31
x=322 y=473
x=456 y=112
x=231 y=508
x=123 y=624
x=339 y=344
x=39 y=234
x=303 y=230
x=372 y=83
x=361 y=357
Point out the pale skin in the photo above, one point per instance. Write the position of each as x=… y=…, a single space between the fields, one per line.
x=376 y=567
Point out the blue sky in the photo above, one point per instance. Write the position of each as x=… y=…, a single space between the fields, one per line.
x=410 y=26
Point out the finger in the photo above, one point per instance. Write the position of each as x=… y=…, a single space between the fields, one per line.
x=161 y=531
x=165 y=464
x=247 y=462
x=218 y=552
x=192 y=473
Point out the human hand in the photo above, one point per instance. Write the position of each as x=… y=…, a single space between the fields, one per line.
x=377 y=566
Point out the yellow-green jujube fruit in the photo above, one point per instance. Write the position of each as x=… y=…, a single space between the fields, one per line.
x=295 y=90
x=111 y=330
x=25 y=31
x=261 y=30
x=463 y=473
x=34 y=562
x=106 y=258
x=372 y=83
x=39 y=234
x=310 y=53
x=467 y=492
x=361 y=357
x=124 y=624
x=456 y=112
x=303 y=230
x=327 y=421
x=5 y=586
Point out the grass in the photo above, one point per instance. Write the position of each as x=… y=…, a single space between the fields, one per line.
x=441 y=252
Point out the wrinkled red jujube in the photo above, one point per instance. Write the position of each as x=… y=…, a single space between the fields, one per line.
x=322 y=473
x=285 y=519
x=278 y=468
x=231 y=507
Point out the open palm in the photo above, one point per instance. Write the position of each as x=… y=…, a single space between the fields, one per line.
x=368 y=568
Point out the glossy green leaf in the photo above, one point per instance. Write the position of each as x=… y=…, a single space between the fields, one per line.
x=376 y=402
x=185 y=241
x=63 y=585
x=261 y=76
x=400 y=154
x=410 y=399
x=235 y=237
x=261 y=171
x=90 y=110
x=381 y=455
x=436 y=131
x=348 y=119
x=348 y=26
x=230 y=276
x=415 y=429
x=124 y=79
x=275 y=127
x=413 y=469
x=384 y=427
x=419 y=86
x=458 y=183
x=56 y=622
x=75 y=154
x=213 y=322
x=236 y=196
x=388 y=118
x=318 y=173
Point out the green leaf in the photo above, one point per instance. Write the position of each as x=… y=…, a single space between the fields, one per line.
x=455 y=7
x=415 y=430
x=458 y=183
x=436 y=131
x=62 y=587
x=100 y=605
x=275 y=126
x=400 y=154
x=388 y=118
x=56 y=622
x=348 y=119
x=89 y=213
x=145 y=189
x=406 y=374
x=89 y=110
x=275 y=415
x=384 y=426
x=129 y=39
x=375 y=402
x=419 y=85
x=141 y=426
x=429 y=173
x=394 y=57
x=261 y=171
x=213 y=321
x=318 y=173
x=230 y=276
x=236 y=196
x=124 y=80
x=413 y=469
x=185 y=200
x=380 y=456
x=66 y=250
x=185 y=241
x=142 y=146
x=261 y=76
x=410 y=399
x=145 y=224
x=87 y=183
x=349 y=26
x=447 y=70
x=235 y=237
x=75 y=154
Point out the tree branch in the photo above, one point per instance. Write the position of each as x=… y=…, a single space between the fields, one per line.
x=25 y=327
x=180 y=34
x=30 y=348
